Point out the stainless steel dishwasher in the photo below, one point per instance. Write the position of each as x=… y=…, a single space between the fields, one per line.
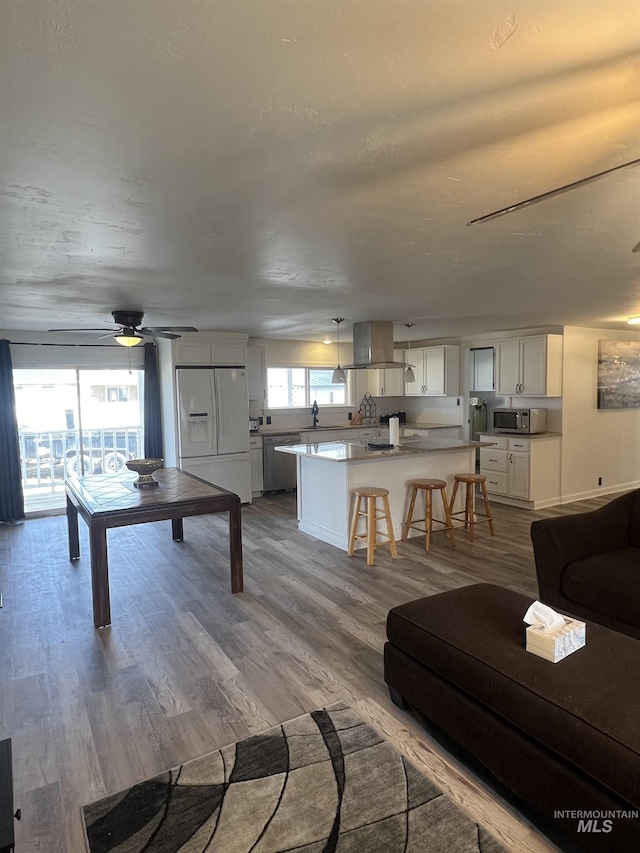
x=279 y=468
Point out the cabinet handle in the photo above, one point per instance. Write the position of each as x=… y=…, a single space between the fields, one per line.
x=511 y=458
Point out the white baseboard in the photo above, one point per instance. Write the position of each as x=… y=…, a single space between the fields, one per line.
x=600 y=491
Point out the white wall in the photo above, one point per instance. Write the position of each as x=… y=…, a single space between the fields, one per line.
x=596 y=442
x=282 y=353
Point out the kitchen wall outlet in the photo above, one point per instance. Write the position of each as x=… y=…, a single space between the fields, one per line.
x=350 y=415
x=458 y=401
x=268 y=419
x=599 y=481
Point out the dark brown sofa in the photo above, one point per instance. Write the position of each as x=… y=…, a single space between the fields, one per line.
x=564 y=738
x=588 y=564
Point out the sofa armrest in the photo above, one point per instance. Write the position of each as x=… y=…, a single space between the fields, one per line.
x=562 y=540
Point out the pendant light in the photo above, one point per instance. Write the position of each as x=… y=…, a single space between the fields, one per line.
x=409 y=375
x=338 y=377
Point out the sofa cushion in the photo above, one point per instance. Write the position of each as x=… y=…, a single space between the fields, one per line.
x=607 y=583
x=585 y=708
x=634 y=520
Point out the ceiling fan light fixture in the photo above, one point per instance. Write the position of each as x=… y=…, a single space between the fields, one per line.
x=128 y=338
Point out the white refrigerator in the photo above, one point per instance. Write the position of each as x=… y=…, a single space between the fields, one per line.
x=213 y=426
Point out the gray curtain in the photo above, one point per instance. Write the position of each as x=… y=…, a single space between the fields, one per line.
x=11 y=497
x=153 y=448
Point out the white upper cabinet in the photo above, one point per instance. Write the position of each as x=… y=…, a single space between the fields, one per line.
x=436 y=371
x=389 y=382
x=483 y=369
x=256 y=373
x=531 y=366
x=217 y=349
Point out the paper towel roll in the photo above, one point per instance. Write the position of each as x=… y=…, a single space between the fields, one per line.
x=394 y=431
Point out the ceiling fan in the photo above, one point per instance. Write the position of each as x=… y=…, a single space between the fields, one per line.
x=131 y=333
x=543 y=196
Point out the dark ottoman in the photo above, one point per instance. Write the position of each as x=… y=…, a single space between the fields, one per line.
x=564 y=737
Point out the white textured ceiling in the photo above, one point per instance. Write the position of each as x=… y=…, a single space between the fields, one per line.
x=266 y=166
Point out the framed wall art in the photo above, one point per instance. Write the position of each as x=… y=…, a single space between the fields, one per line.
x=618 y=374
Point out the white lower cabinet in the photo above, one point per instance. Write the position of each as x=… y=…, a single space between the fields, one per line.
x=255 y=457
x=347 y=434
x=494 y=465
x=522 y=470
x=414 y=432
x=519 y=479
x=371 y=434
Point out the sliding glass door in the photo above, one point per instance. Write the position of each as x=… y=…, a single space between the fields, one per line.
x=74 y=422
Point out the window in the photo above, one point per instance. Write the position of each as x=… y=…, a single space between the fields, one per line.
x=74 y=422
x=298 y=387
x=118 y=395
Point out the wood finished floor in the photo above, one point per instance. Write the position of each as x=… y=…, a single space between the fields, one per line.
x=186 y=667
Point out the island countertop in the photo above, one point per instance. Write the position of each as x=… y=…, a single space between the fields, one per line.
x=308 y=431
x=358 y=451
x=325 y=489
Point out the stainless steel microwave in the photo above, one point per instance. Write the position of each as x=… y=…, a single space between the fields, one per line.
x=519 y=420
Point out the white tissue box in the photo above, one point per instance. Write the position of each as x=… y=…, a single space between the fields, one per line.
x=559 y=642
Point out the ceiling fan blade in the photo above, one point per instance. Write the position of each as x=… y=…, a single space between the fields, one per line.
x=157 y=333
x=153 y=330
x=109 y=334
x=83 y=330
x=557 y=191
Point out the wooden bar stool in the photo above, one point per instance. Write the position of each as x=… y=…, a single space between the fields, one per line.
x=469 y=514
x=366 y=496
x=428 y=487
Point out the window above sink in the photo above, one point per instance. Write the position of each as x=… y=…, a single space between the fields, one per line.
x=298 y=387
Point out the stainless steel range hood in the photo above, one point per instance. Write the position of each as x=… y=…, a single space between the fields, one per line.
x=373 y=346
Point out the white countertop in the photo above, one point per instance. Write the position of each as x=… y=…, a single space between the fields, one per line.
x=356 y=451
x=274 y=430
x=521 y=435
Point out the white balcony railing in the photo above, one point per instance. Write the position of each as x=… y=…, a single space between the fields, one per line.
x=47 y=458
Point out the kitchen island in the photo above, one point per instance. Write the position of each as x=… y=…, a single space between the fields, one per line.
x=327 y=472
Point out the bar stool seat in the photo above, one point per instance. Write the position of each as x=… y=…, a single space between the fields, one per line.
x=365 y=505
x=470 y=515
x=428 y=486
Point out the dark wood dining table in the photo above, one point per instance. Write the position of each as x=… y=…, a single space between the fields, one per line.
x=112 y=500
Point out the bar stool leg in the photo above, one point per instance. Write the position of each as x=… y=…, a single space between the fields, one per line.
x=487 y=508
x=387 y=515
x=428 y=518
x=447 y=516
x=453 y=497
x=409 y=518
x=469 y=510
x=354 y=525
x=371 y=529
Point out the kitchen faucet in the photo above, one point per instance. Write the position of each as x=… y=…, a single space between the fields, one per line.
x=314 y=412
